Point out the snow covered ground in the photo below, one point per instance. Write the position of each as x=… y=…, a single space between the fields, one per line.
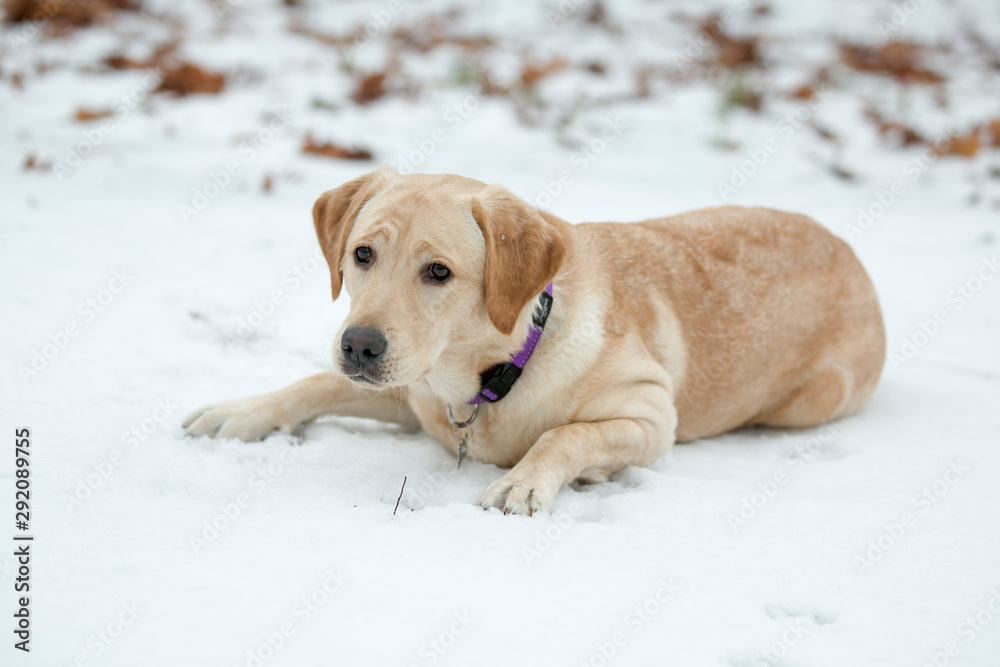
x=163 y=257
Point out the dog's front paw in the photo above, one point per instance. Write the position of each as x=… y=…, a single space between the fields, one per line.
x=516 y=494
x=245 y=419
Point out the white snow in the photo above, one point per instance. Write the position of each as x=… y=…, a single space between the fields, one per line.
x=872 y=541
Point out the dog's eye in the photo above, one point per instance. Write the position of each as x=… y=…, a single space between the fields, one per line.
x=363 y=255
x=438 y=272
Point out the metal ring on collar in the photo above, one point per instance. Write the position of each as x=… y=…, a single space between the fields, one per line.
x=457 y=424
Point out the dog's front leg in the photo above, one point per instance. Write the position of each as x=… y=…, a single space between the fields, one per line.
x=562 y=454
x=329 y=393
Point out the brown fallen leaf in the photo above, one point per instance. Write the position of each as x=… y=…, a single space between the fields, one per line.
x=732 y=51
x=370 y=88
x=805 y=92
x=736 y=52
x=162 y=57
x=808 y=90
x=899 y=60
x=65 y=13
x=993 y=131
x=119 y=61
x=33 y=163
x=187 y=79
x=83 y=115
x=267 y=184
x=532 y=73
x=334 y=151
x=963 y=145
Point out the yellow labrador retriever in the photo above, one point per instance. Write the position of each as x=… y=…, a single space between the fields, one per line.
x=573 y=350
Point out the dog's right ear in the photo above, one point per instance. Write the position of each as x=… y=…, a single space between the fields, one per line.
x=334 y=214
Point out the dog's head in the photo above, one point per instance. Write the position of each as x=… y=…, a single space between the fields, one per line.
x=439 y=269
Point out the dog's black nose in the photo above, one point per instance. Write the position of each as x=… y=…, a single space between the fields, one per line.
x=362 y=346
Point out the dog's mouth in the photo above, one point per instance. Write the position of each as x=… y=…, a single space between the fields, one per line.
x=372 y=379
x=363 y=379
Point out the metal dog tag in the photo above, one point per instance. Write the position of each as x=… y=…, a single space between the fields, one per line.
x=462 y=431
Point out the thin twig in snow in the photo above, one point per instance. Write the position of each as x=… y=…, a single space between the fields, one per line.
x=400 y=496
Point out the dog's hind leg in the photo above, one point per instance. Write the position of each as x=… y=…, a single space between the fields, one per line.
x=826 y=395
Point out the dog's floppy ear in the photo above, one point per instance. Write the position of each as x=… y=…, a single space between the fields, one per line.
x=334 y=213
x=524 y=249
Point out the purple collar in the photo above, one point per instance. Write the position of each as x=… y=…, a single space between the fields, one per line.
x=499 y=380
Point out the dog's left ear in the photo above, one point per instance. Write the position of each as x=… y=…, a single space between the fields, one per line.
x=334 y=213
x=524 y=250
